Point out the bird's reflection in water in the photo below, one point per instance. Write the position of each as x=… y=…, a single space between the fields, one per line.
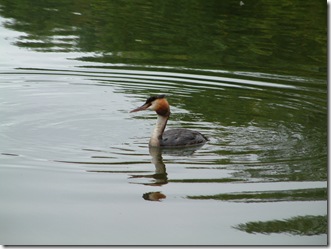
x=160 y=176
x=154 y=196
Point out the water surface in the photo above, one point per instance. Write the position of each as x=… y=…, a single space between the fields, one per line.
x=75 y=164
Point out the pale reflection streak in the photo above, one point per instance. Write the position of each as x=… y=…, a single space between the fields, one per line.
x=160 y=177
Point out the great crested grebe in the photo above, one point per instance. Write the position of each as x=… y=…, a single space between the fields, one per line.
x=169 y=138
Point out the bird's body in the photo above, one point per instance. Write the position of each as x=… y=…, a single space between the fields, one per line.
x=169 y=138
x=182 y=137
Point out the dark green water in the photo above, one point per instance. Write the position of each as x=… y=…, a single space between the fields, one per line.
x=75 y=167
x=279 y=37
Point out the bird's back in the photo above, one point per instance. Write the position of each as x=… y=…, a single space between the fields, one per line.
x=182 y=137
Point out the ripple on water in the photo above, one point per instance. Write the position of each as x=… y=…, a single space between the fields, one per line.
x=255 y=122
x=67 y=136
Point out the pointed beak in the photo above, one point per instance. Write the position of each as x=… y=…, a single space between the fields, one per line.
x=141 y=108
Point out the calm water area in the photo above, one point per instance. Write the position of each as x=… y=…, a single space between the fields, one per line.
x=75 y=165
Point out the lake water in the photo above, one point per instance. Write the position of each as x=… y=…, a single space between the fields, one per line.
x=75 y=166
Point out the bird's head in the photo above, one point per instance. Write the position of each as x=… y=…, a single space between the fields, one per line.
x=158 y=103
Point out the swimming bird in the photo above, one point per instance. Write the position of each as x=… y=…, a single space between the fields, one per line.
x=169 y=138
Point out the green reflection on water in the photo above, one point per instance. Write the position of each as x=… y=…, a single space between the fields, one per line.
x=265 y=36
x=282 y=130
x=259 y=133
x=269 y=196
x=221 y=180
x=301 y=225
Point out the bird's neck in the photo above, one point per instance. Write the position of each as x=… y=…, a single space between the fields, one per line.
x=158 y=130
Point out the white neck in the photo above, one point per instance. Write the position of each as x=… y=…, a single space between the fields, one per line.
x=158 y=130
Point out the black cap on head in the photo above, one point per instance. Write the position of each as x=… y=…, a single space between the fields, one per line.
x=151 y=99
